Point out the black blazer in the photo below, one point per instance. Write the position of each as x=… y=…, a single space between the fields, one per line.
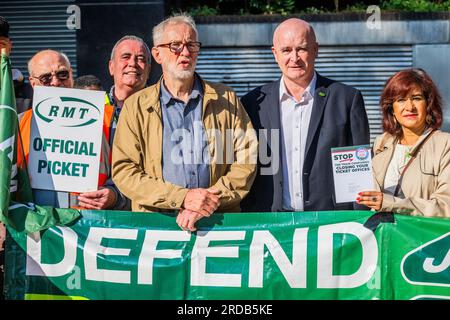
x=338 y=119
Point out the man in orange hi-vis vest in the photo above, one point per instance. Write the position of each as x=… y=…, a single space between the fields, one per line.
x=52 y=68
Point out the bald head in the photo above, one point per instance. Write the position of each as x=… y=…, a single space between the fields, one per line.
x=50 y=68
x=295 y=49
x=294 y=26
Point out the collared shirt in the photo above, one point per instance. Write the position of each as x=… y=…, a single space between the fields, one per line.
x=295 y=118
x=400 y=158
x=185 y=159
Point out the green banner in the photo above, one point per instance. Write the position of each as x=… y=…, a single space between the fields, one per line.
x=302 y=255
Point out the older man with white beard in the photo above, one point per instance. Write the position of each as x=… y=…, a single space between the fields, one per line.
x=183 y=144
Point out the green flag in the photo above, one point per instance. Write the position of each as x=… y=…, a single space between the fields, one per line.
x=8 y=121
x=14 y=182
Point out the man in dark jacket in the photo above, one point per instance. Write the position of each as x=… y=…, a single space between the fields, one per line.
x=300 y=117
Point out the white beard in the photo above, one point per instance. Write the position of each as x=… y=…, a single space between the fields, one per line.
x=180 y=74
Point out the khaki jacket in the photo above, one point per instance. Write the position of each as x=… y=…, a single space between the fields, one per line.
x=137 y=150
x=426 y=182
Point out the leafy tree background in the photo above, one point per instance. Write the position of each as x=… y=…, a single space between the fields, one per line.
x=284 y=7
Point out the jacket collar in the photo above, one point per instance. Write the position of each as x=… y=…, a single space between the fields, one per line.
x=385 y=150
x=270 y=105
x=389 y=142
x=309 y=91
x=320 y=100
x=209 y=94
x=422 y=137
x=152 y=101
x=166 y=97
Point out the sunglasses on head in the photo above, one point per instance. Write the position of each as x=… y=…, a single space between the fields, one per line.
x=46 y=78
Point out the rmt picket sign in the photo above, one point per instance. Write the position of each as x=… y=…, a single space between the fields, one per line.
x=65 y=139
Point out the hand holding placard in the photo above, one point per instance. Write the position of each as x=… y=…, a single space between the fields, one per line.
x=352 y=172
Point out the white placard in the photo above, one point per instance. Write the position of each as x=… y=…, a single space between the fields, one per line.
x=352 y=172
x=65 y=139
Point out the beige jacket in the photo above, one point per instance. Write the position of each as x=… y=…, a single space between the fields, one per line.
x=425 y=184
x=137 y=150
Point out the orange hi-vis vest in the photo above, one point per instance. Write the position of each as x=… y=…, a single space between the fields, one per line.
x=105 y=154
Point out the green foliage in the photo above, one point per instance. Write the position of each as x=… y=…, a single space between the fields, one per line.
x=416 y=5
x=314 y=10
x=285 y=7
x=203 y=11
x=282 y=7
x=356 y=7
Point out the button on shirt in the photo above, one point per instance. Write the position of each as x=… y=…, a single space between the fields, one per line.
x=185 y=159
x=295 y=118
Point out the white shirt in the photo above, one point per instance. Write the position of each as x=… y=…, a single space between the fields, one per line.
x=398 y=162
x=295 y=117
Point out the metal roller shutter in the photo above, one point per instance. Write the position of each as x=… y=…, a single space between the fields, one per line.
x=364 y=67
x=38 y=25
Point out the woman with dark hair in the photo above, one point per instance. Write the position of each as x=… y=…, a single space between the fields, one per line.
x=411 y=163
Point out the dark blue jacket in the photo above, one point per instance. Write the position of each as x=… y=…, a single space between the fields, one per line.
x=338 y=119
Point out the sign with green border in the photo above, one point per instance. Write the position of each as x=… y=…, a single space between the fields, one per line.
x=283 y=255
x=65 y=139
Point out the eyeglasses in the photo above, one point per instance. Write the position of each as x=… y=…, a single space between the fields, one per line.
x=177 y=47
x=46 y=78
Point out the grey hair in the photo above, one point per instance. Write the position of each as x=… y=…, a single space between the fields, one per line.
x=133 y=38
x=61 y=54
x=178 y=18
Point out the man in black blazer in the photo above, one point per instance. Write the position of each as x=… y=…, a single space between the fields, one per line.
x=299 y=118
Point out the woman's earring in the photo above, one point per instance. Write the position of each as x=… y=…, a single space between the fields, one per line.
x=429 y=119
